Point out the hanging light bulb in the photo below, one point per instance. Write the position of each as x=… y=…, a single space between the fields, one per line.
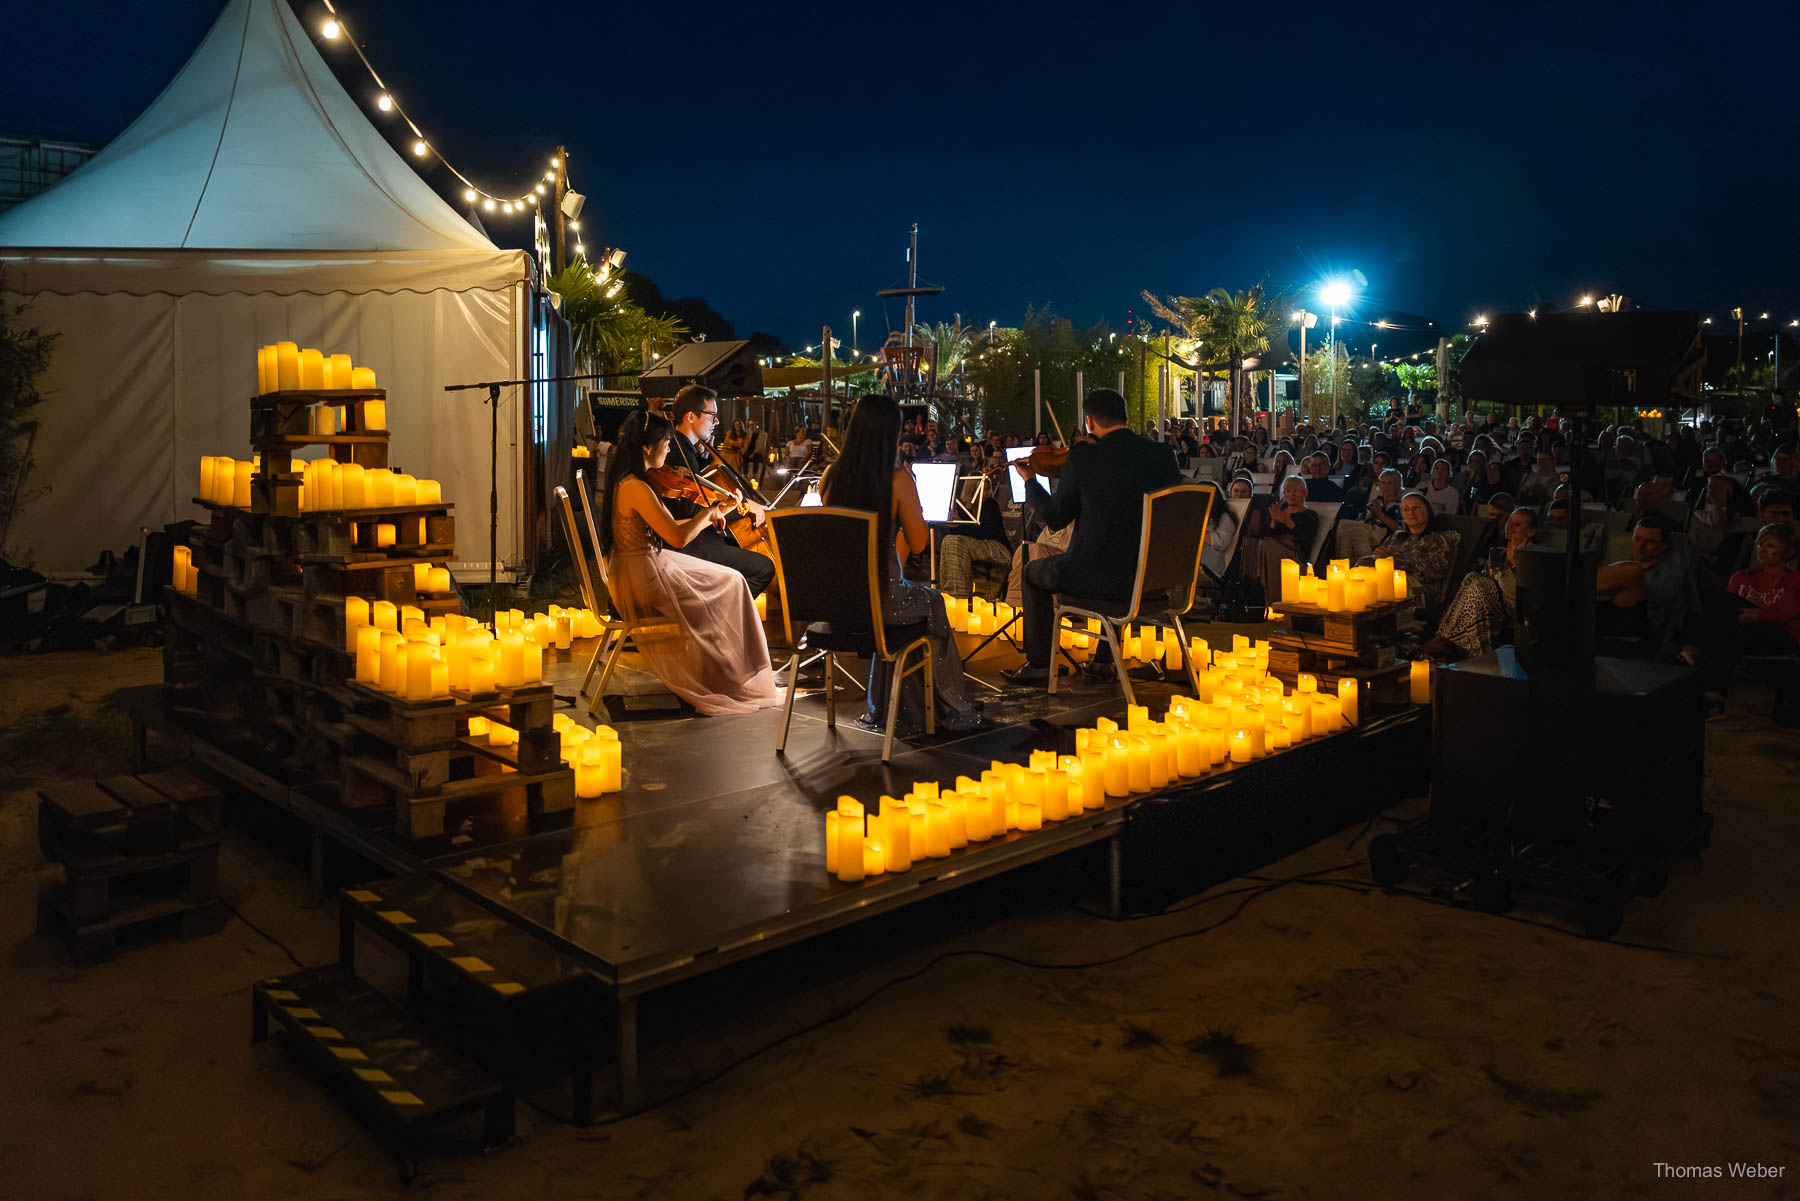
x=488 y=204
x=419 y=149
x=580 y=249
x=556 y=162
x=384 y=102
x=508 y=206
x=540 y=189
x=469 y=195
x=330 y=30
x=574 y=225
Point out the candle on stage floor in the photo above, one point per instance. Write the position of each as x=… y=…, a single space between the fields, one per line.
x=374 y=412
x=1031 y=816
x=850 y=867
x=1240 y=746
x=287 y=366
x=874 y=859
x=1349 y=694
x=832 y=820
x=612 y=759
x=312 y=369
x=1137 y=777
x=587 y=771
x=896 y=837
x=937 y=830
x=1172 y=653
x=1056 y=795
x=1190 y=753
x=1420 y=679
x=1290 y=581
x=1160 y=768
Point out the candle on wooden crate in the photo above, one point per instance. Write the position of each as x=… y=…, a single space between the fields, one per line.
x=312 y=370
x=384 y=534
x=1420 y=681
x=1306 y=682
x=439 y=581
x=1401 y=591
x=374 y=413
x=406 y=490
x=351 y=486
x=533 y=662
x=324 y=420
x=363 y=379
x=264 y=356
x=356 y=616
x=1290 y=581
x=418 y=674
x=1031 y=815
x=1240 y=746
x=208 y=466
x=240 y=484
x=430 y=493
x=509 y=672
x=183 y=563
x=1356 y=595
x=287 y=366
x=481 y=673
x=421 y=577
x=1349 y=694
x=378 y=484
x=338 y=371
x=393 y=662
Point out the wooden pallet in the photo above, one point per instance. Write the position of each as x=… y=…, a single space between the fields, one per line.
x=396 y=1075
x=91 y=942
x=371 y=781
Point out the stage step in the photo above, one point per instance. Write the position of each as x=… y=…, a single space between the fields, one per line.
x=524 y=1009
x=394 y=1073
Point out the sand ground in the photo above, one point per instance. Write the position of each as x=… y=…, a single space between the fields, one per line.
x=1329 y=1040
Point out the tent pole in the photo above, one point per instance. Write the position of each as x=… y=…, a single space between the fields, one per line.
x=494 y=496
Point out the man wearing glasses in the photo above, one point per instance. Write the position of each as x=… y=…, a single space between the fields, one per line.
x=695 y=412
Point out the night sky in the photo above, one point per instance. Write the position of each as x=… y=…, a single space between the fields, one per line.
x=1465 y=158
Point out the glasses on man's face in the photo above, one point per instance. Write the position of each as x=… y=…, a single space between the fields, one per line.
x=713 y=413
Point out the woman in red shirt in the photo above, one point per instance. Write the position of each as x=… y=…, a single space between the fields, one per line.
x=1769 y=621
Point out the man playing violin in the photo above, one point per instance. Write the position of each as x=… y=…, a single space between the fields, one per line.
x=1103 y=483
x=695 y=412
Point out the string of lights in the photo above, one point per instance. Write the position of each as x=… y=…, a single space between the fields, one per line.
x=335 y=31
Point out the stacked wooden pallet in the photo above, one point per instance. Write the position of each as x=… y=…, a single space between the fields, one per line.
x=259 y=654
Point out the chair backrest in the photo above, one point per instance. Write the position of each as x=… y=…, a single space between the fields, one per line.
x=1174 y=534
x=825 y=568
x=602 y=586
x=1328 y=511
x=1473 y=536
x=1230 y=526
x=576 y=549
x=1207 y=470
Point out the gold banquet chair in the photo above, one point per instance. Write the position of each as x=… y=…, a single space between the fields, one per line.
x=825 y=567
x=1168 y=573
x=615 y=632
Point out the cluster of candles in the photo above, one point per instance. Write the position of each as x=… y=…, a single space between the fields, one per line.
x=183 y=575
x=1241 y=714
x=401 y=652
x=330 y=486
x=1345 y=589
x=287 y=367
x=552 y=628
x=977 y=616
x=594 y=754
x=325 y=420
x=226 y=481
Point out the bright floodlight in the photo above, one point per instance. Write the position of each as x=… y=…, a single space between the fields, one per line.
x=1335 y=292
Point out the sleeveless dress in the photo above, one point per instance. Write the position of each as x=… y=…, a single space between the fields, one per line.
x=708 y=645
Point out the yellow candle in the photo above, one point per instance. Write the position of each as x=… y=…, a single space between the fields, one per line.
x=1093 y=778
x=440 y=582
x=1240 y=746
x=478 y=727
x=1136 y=716
x=1190 y=754
x=240 y=484
x=1275 y=735
x=1307 y=682
x=324 y=418
x=374 y=413
x=1335 y=600
x=481 y=674
x=421 y=577
x=1056 y=795
x=1031 y=816
x=874 y=860
x=937 y=830
x=262 y=369
x=362 y=378
x=312 y=370
x=1356 y=595
x=419 y=662
x=1420 y=680
x=509 y=672
x=1349 y=694
x=612 y=759
x=338 y=371
x=183 y=563
x=1160 y=769
x=350 y=487
x=534 y=662
x=978 y=818
x=287 y=366
x=587 y=771
x=832 y=821
x=384 y=534
x=406 y=490
x=379 y=486
x=208 y=468
x=1138 y=765
x=1118 y=768
x=1134 y=648
x=393 y=663
x=356 y=616
x=896 y=839
x=1199 y=651
x=1401 y=591
x=1105 y=725
x=430 y=492
x=1172 y=654
x=850 y=866
x=1290 y=581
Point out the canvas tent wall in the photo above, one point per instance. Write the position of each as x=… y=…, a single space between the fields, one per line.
x=252 y=202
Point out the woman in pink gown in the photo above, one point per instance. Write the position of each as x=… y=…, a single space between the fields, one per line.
x=706 y=644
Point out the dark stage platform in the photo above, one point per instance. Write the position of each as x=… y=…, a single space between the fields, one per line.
x=714 y=850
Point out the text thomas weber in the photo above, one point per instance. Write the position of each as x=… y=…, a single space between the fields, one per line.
x=1734 y=1170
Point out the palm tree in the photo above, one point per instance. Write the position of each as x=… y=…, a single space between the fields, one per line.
x=1236 y=325
x=609 y=329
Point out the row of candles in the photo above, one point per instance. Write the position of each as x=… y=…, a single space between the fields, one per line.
x=556 y=628
x=425 y=661
x=1249 y=715
x=325 y=485
x=288 y=367
x=328 y=420
x=594 y=754
x=1345 y=589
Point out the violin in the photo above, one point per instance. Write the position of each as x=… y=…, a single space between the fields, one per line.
x=1049 y=460
x=676 y=484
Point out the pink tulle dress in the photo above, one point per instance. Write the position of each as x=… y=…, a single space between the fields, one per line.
x=707 y=645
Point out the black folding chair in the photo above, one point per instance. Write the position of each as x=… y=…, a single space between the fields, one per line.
x=1168 y=573
x=825 y=567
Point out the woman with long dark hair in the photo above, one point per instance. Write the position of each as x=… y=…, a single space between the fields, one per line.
x=866 y=476
x=706 y=644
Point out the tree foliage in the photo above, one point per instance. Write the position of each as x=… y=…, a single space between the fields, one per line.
x=1230 y=326
x=24 y=355
x=608 y=327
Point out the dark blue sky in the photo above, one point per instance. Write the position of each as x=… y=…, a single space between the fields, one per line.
x=1466 y=158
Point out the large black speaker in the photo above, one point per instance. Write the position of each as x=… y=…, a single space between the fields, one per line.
x=1608 y=756
x=729 y=368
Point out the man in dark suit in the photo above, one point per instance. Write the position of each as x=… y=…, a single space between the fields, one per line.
x=695 y=412
x=1102 y=489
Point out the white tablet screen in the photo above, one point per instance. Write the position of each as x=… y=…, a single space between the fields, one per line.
x=1013 y=454
x=937 y=489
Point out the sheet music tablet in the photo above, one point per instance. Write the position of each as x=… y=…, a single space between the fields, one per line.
x=937 y=490
x=1013 y=455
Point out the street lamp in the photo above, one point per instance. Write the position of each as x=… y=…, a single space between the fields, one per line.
x=854 y=314
x=1335 y=292
x=1305 y=321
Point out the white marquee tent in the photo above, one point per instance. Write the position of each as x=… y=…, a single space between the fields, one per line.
x=252 y=202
